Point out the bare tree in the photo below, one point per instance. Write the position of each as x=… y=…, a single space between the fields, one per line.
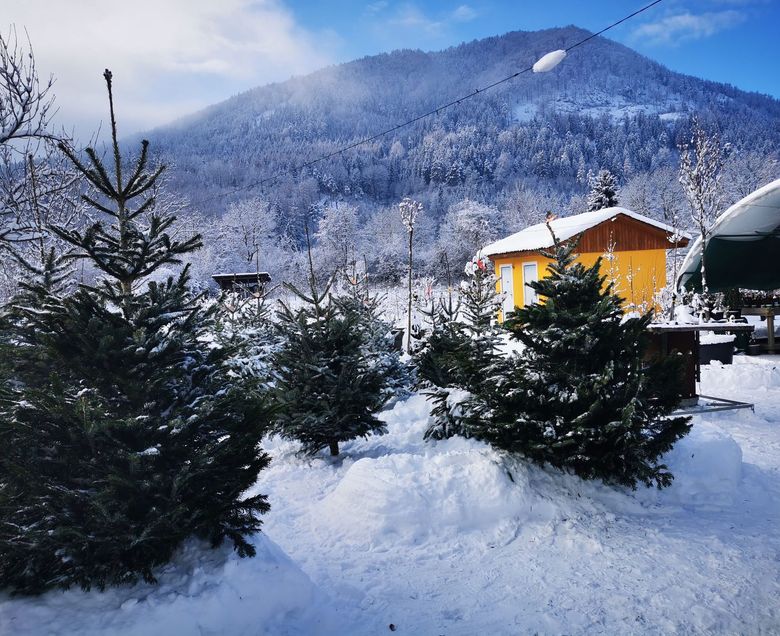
x=49 y=195
x=337 y=235
x=38 y=187
x=26 y=104
x=701 y=168
x=747 y=170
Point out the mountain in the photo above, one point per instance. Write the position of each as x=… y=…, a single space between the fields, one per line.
x=605 y=106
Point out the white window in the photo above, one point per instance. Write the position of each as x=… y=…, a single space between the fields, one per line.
x=507 y=289
x=530 y=275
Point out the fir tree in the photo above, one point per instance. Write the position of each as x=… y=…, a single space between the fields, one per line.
x=461 y=353
x=334 y=368
x=580 y=396
x=603 y=191
x=439 y=362
x=126 y=431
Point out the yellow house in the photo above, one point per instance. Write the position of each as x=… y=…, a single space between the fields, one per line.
x=633 y=250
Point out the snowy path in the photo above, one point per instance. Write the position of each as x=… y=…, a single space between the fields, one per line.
x=437 y=540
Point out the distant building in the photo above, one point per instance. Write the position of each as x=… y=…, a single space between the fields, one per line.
x=633 y=250
x=247 y=283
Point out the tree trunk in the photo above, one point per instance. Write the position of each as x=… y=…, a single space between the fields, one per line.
x=334 y=447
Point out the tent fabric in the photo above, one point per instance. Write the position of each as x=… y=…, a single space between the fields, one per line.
x=743 y=247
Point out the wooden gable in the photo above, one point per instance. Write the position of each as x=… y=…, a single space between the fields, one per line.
x=628 y=234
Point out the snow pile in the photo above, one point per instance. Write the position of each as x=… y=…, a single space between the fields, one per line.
x=684 y=314
x=202 y=592
x=707 y=467
x=710 y=337
x=457 y=489
x=748 y=378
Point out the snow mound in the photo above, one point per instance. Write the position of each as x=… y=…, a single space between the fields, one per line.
x=408 y=496
x=746 y=377
x=709 y=337
x=707 y=467
x=202 y=592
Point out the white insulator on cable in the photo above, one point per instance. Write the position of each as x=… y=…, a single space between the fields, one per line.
x=549 y=61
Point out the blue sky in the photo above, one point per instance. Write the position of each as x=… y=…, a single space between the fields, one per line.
x=734 y=41
x=174 y=57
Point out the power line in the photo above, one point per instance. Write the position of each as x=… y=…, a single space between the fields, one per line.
x=433 y=111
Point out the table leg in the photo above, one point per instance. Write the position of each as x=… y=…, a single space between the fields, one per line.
x=770 y=328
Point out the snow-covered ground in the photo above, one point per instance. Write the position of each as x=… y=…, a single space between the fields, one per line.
x=454 y=538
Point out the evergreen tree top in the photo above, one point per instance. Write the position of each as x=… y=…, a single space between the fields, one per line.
x=603 y=191
x=136 y=240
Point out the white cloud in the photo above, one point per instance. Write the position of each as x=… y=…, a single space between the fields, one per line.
x=410 y=16
x=404 y=24
x=464 y=13
x=674 y=29
x=377 y=7
x=168 y=57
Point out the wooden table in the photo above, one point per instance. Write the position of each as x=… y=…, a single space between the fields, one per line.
x=768 y=313
x=669 y=338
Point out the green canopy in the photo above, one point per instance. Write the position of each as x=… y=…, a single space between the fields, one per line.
x=743 y=247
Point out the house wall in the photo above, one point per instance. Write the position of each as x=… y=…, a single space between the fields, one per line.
x=637 y=274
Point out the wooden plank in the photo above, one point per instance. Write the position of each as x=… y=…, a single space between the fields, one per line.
x=628 y=234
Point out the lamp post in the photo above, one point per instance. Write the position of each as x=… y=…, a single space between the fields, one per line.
x=409 y=211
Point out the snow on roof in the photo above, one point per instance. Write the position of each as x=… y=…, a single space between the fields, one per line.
x=538 y=237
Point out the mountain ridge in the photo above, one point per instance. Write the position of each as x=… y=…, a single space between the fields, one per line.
x=605 y=106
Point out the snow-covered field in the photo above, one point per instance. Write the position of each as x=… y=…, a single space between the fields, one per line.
x=454 y=538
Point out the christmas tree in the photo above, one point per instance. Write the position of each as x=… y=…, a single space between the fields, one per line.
x=580 y=396
x=461 y=353
x=334 y=369
x=126 y=431
x=603 y=191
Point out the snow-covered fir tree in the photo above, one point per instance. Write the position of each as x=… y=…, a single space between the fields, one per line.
x=580 y=395
x=461 y=351
x=603 y=191
x=334 y=369
x=127 y=431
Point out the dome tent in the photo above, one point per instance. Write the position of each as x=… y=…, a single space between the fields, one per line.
x=743 y=247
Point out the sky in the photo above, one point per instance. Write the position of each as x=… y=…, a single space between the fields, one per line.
x=174 y=57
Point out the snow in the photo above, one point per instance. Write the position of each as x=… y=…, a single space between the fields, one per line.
x=538 y=236
x=202 y=592
x=707 y=465
x=452 y=537
x=709 y=337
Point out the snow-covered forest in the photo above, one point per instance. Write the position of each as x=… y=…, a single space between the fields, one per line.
x=531 y=146
x=525 y=148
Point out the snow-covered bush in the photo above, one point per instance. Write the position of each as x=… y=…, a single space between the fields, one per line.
x=461 y=350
